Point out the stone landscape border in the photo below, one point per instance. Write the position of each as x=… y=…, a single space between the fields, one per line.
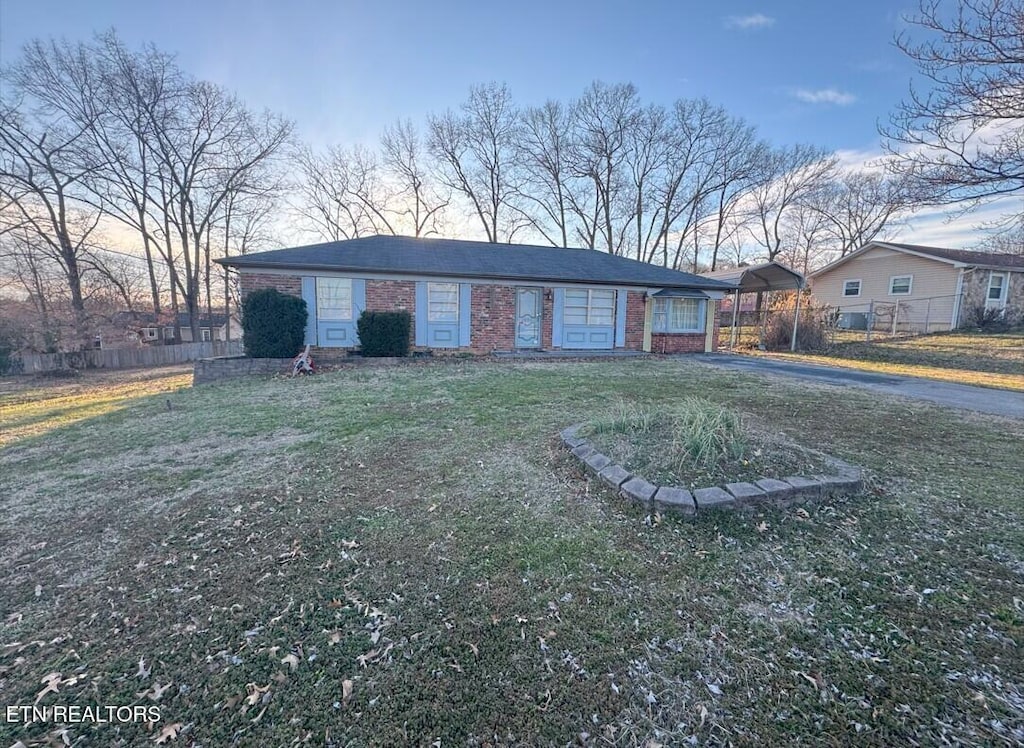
x=742 y=495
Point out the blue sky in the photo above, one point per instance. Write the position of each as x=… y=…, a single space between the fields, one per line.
x=818 y=72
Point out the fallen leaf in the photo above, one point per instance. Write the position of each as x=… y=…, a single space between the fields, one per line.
x=291 y=660
x=51 y=680
x=762 y=526
x=255 y=693
x=346 y=691
x=474 y=649
x=168 y=732
x=143 y=671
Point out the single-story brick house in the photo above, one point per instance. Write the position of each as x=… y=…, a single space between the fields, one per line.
x=482 y=298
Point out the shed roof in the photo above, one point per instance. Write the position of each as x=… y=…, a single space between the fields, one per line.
x=471 y=259
x=769 y=276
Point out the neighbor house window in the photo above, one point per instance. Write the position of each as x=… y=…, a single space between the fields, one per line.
x=443 y=302
x=899 y=285
x=677 y=315
x=204 y=333
x=168 y=333
x=589 y=306
x=851 y=288
x=996 y=287
x=334 y=298
x=149 y=333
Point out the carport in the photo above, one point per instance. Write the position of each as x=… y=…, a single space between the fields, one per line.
x=771 y=276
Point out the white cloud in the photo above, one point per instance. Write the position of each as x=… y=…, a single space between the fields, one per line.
x=753 y=21
x=825 y=96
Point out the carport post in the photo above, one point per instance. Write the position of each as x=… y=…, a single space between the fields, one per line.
x=796 y=319
x=735 y=311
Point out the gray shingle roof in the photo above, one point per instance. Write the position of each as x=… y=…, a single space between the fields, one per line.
x=467 y=259
x=970 y=257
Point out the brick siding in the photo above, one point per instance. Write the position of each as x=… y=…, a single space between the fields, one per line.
x=493 y=312
x=636 y=312
x=289 y=284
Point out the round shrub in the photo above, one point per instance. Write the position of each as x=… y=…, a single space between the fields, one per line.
x=384 y=333
x=273 y=324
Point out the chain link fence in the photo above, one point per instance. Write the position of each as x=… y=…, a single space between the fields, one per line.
x=869 y=320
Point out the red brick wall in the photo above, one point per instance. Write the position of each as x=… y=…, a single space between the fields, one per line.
x=493 y=318
x=677 y=342
x=249 y=282
x=548 y=312
x=391 y=296
x=493 y=313
x=636 y=311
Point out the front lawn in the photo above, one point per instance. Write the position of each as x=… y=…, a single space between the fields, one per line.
x=983 y=359
x=406 y=556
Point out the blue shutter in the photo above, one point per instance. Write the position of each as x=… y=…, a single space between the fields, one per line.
x=465 y=308
x=309 y=296
x=421 y=313
x=358 y=305
x=556 y=318
x=620 y=319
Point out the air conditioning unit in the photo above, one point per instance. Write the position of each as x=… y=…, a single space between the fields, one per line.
x=853 y=321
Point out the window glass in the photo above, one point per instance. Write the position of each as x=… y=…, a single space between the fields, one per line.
x=900 y=285
x=685 y=314
x=677 y=315
x=334 y=298
x=594 y=307
x=851 y=288
x=443 y=302
x=995 y=287
x=602 y=308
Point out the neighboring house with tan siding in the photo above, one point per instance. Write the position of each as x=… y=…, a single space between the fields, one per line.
x=914 y=288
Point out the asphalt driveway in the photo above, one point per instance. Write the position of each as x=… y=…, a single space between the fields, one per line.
x=981 y=399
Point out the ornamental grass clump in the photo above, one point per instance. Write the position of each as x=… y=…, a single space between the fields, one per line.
x=625 y=418
x=706 y=433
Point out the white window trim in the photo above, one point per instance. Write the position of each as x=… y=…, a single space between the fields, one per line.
x=591 y=308
x=1003 y=291
x=860 y=287
x=667 y=329
x=458 y=298
x=910 y=286
x=334 y=316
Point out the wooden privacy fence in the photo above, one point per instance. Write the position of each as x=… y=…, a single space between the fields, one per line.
x=126 y=358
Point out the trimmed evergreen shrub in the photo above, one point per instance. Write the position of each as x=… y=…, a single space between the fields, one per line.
x=384 y=333
x=273 y=324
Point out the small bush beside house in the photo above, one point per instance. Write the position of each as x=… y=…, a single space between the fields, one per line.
x=273 y=324
x=384 y=333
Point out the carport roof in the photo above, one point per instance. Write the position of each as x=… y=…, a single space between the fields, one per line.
x=770 y=276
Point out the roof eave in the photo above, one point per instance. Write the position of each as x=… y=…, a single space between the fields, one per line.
x=709 y=285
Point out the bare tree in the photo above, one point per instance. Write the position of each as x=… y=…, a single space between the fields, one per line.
x=417 y=202
x=961 y=138
x=41 y=176
x=860 y=205
x=341 y=193
x=544 y=151
x=475 y=151
x=791 y=175
x=602 y=120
